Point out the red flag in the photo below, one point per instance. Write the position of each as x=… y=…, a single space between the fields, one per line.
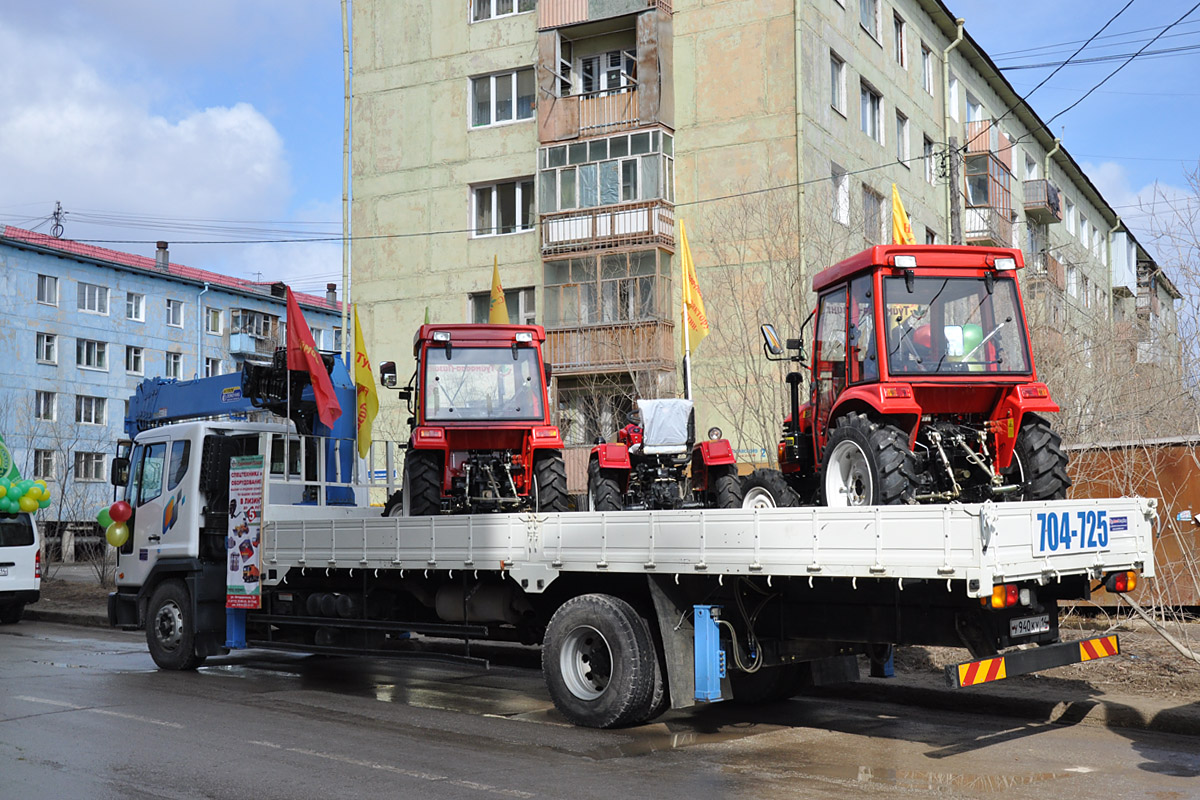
x=302 y=355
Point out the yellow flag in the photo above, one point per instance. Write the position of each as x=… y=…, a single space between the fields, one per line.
x=364 y=382
x=901 y=230
x=693 y=304
x=498 y=308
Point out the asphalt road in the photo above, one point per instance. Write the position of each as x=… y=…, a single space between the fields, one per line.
x=84 y=713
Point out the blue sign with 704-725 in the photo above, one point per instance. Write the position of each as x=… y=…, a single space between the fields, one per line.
x=1065 y=532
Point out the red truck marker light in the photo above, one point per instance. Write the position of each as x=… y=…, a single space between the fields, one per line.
x=1004 y=595
x=1034 y=391
x=1120 y=582
x=37 y=564
x=545 y=433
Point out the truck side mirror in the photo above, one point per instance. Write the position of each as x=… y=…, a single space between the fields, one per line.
x=771 y=340
x=387 y=374
x=118 y=471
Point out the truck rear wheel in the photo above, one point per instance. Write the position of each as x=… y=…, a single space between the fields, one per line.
x=604 y=492
x=422 y=483
x=767 y=488
x=598 y=660
x=866 y=464
x=1039 y=463
x=170 y=631
x=550 y=478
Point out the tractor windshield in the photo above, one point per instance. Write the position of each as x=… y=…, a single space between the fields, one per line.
x=942 y=326
x=482 y=383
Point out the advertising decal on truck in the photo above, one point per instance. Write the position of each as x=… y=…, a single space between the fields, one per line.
x=243 y=589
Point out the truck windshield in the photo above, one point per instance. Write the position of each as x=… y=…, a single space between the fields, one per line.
x=482 y=383
x=954 y=325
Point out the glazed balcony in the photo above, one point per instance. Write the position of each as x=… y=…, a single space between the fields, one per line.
x=985 y=136
x=1042 y=202
x=559 y=13
x=650 y=222
x=647 y=344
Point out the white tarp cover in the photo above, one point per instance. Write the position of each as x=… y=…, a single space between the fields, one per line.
x=665 y=424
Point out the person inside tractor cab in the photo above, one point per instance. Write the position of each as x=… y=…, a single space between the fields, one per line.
x=910 y=341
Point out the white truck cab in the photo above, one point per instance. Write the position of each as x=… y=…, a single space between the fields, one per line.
x=20 y=565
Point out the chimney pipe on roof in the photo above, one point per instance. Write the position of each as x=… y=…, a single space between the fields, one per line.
x=162 y=258
x=331 y=293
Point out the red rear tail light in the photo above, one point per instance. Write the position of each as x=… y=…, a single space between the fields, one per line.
x=895 y=391
x=1120 y=582
x=545 y=433
x=1004 y=595
x=1034 y=391
x=37 y=564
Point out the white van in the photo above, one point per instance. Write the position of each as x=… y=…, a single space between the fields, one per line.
x=20 y=565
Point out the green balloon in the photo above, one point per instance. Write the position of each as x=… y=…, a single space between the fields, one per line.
x=43 y=503
x=5 y=482
x=972 y=336
x=103 y=518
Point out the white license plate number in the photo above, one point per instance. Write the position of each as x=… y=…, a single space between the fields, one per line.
x=1068 y=532
x=3 y=572
x=1027 y=626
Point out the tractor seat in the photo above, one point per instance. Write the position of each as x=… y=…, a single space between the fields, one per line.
x=665 y=426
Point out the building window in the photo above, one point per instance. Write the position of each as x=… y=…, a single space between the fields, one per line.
x=873 y=215
x=930 y=236
x=519 y=302
x=608 y=73
x=43 y=464
x=926 y=68
x=89 y=410
x=841 y=194
x=988 y=183
x=503 y=97
x=133 y=360
x=1069 y=215
x=45 y=406
x=1031 y=168
x=174 y=365
x=1072 y=280
x=89 y=466
x=954 y=98
x=212 y=320
x=47 y=290
x=135 y=307
x=868 y=16
x=1087 y=292
x=212 y=367
x=93 y=299
x=1083 y=230
x=337 y=338
x=175 y=313
x=900 y=40
x=604 y=172
x=503 y=207
x=257 y=324
x=608 y=289
x=870 y=106
x=974 y=108
x=902 y=151
x=930 y=160
x=490 y=9
x=837 y=83
x=47 y=348
x=91 y=354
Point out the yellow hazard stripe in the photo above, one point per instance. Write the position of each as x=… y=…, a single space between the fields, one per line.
x=989 y=669
x=1103 y=647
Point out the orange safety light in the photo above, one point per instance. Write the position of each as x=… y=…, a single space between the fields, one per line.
x=1004 y=595
x=1121 y=582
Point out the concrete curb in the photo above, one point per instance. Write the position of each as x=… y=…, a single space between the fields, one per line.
x=76 y=617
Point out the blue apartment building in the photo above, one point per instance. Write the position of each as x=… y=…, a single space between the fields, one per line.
x=82 y=326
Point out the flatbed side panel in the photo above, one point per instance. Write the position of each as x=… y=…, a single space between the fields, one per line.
x=972 y=543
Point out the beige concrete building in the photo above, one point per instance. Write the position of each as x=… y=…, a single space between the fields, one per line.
x=566 y=139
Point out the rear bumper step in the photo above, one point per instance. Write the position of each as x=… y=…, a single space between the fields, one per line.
x=1022 y=662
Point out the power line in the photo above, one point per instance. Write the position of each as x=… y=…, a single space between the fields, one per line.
x=1112 y=57
x=1053 y=46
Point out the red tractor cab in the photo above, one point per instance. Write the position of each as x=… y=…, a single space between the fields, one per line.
x=481 y=435
x=922 y=387
x=647 y=467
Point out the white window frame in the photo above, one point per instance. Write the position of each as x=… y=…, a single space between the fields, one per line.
x=522 y=203
x=174 y=320
x=89 y=467
x=526 y=304
x=47 y=290
x=954 y=98
x=870 y=105
x=610 y=72
x=839 y=181
x=837 y=83
x=91 y=354
x=90 y=410
x=1073 y=280
x=135 y=306
x=929 y=152
x=1069 y=215
x=212 y=367
x=212 y=320
x=492 y=5
x=47 y=348
x=926 y=69
x=903 y=152
x=135 y=360
x=900 y=46
x=1031 y=168
x=93 y=299
x=871 y=7
x=253 y=323
x=173 y=368
x=43 y=464
x=45 y=406
x=872 y=198
x=511 y=77
x=975 y=110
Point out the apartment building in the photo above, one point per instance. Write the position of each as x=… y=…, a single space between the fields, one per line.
x=566 y=139
x=85 y=325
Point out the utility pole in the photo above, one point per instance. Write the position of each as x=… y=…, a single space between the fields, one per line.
x=56 y=230
x=956 y=232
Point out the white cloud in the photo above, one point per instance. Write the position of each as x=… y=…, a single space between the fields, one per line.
x=1150 y=210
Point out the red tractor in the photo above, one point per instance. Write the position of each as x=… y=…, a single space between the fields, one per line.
x=647 y=467
x=922 y=387
x=481 y=436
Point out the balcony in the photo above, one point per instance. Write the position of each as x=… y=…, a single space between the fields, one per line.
x=604 y=348
x=1042 y=203
x=1047 y=267
x=247 y=344
x=985 y=136
x=987 y=226
x=647 y=223
x=557 y=13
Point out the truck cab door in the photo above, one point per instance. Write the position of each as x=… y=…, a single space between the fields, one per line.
x=145 y=495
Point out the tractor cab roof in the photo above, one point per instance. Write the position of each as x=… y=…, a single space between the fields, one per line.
x=928 y=256
x=478 y=334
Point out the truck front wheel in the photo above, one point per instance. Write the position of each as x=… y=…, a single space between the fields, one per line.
x=598 y=660
x=170 y=632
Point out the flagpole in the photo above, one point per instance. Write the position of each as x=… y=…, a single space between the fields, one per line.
x=687 y=349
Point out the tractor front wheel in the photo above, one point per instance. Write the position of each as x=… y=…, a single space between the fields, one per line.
x=1039 y=464
x=550 y=482
x=767 y=488
x=866 y=464
x=422 y=483
x=604 y=490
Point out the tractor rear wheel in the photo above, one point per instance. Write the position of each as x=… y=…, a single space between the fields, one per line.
x=1039 y=463
x=550 y=482
x=726 y=487
x=767 y=488
x=866 y=464
x=422 y=483
x=604 y=491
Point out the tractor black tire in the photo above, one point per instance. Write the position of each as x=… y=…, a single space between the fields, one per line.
x=604 y=490
x=767 y=685
x=423 y=483
x=11 y=613
x=868 y=463
x=395 y=504
x=170 y=629
x=550 y=478
x=598 y=662
x=767 y=488
x=1039 y=463
x=726 y=487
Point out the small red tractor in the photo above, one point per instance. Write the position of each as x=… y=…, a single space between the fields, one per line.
x=647 y=466
x=921 y=389
x=481 y=435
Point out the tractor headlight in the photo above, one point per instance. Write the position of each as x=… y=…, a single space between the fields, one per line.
x=714 y=433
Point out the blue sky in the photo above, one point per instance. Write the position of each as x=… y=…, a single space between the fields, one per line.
x=222 y=119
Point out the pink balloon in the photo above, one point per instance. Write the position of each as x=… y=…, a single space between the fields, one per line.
x=120 y=511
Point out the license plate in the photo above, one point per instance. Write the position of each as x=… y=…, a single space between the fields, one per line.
x=1067 y=532
x=1027 y=626
x=3 y=572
